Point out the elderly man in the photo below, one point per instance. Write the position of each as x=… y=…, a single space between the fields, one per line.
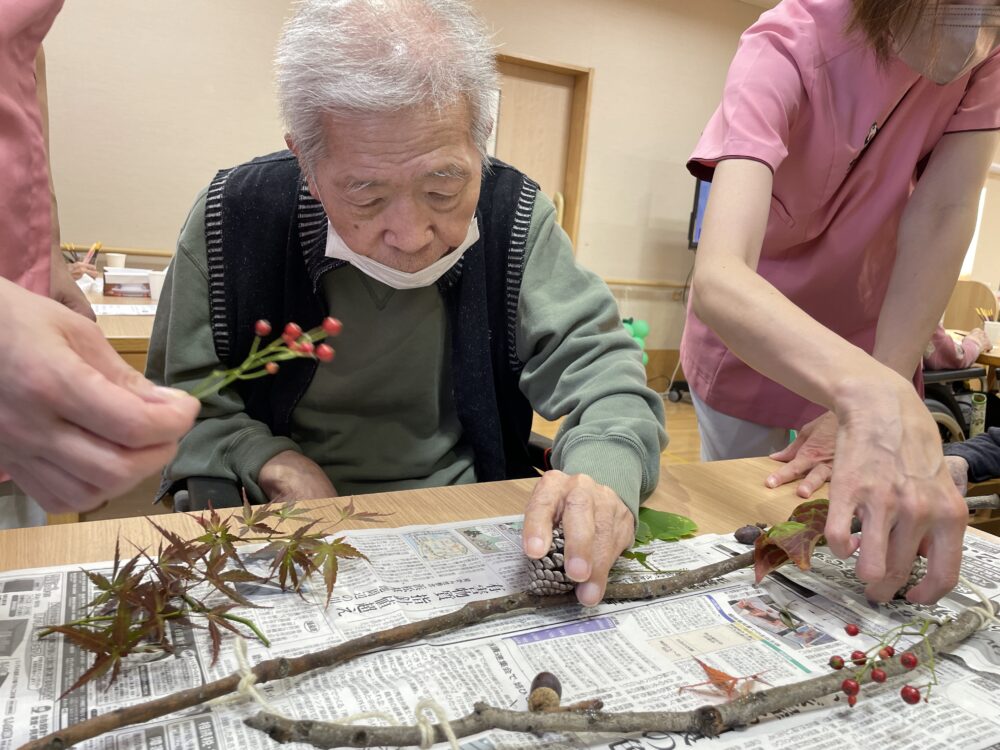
x=462 y=306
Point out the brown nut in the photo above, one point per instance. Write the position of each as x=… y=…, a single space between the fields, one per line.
x=546 y=680
x=543 y=699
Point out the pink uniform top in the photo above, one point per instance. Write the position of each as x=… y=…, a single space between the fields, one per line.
x=25 y=203
x=845 y=139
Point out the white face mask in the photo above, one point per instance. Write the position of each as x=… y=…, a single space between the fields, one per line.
x=948 y=43
x=337 y=248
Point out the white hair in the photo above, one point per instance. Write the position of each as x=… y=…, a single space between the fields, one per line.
x=363 y=57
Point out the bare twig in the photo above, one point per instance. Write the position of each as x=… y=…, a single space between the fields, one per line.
x=983 y=502
x=281 y=668
x=706 y=720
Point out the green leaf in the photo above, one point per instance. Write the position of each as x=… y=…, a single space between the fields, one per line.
x=667 y=527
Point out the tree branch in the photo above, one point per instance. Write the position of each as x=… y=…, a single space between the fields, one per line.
x=706 y=720
x=281 y=668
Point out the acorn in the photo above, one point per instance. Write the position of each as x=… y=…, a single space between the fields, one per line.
x=546 y=692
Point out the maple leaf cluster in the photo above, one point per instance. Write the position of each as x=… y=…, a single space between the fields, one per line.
x=144 y=597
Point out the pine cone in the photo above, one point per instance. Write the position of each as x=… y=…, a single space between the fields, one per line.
x=548 y=575
x=916 y=574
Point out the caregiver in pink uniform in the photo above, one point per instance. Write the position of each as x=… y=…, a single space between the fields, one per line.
x=847 y=159
x=77 y=425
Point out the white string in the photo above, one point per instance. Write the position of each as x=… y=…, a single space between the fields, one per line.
x=247 y=687
x=424 y=724
x=986 y=613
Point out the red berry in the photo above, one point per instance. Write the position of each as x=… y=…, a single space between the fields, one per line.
x=837 y=662
x=271 y=368
x=292 y=331
x=852 y=700
x=306 y=347
x=332 y=326
x=852 y=629
x=850 y=687
x=859 y=658
x=909 y=660
x=910 y=694
x=262 y=328
x=324 y=352
x=886 y=652
x=878 y=675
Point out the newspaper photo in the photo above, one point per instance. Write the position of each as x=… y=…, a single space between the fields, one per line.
x=635 y=656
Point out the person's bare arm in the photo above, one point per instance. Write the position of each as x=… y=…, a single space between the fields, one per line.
x=889 y=469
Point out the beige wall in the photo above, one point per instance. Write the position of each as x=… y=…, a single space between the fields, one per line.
x=147 y=101
x=659 y=70
x=986 y=267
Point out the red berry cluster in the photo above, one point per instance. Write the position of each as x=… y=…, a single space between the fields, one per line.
x=851 y=687
x=293 y=343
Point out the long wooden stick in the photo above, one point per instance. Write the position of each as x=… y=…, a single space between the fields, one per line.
x=709 y=721
x=280 y=668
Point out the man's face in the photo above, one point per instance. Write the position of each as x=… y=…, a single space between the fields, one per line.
x=400 y=188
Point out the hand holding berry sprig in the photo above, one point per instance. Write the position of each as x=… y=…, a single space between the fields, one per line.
x=260 y=362
x=874 y=666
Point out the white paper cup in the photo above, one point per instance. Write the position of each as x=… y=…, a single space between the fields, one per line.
x=992 y=329
x=156 y=283
x=114 y=260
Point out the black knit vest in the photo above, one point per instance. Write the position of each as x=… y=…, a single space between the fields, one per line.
x=266 y=238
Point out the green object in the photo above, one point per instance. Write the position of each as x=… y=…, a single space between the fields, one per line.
x=658 y=524
x=640 y=341
x=792 y=434
x=352 y=448
x=628 y=328
x=645 y=358
x=641 y=328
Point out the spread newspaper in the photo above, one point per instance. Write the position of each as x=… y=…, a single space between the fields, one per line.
x=633 y=655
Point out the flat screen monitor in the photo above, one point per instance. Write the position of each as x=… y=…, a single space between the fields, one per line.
x=701 y=189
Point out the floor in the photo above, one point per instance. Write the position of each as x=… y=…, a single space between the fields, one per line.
x=683 y=448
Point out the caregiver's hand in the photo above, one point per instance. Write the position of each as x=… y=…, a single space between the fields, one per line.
x=809 y=457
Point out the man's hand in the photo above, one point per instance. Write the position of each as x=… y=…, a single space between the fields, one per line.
x=78 y=424
x=597 y=525
x=810 y=456
x=958 y=468
x=890 y=472
x=292 y=476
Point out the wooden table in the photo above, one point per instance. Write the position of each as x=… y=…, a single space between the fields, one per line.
x=991 y=360
x=719 y=497
x=127 y=334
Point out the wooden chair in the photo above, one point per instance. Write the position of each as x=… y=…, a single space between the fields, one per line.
x=961 y=313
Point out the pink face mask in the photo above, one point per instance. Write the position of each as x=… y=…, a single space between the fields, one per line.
x=949 y=41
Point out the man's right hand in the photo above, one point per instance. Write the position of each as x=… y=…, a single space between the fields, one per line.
x=79 y=425
x=292 y=476
x=958 y=468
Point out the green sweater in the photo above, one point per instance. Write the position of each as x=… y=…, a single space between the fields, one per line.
x=381 y=416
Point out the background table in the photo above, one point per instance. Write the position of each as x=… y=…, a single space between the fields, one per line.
x=127 y=334
x=719 y=497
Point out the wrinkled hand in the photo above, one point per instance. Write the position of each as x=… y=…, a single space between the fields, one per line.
x=958 y=467
x=891 y=473
x=809 y=457
x=78 y=424
x=291 y=476
x=78 y=269
x=597 y=525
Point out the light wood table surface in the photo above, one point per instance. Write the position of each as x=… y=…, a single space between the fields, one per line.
x=991 y=360
x=127 y=334
x=719 y=497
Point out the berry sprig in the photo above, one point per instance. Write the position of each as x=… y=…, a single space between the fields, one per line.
x=261 y=362
x=871 y=666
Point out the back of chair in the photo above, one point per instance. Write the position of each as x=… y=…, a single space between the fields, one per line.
x=961 y=311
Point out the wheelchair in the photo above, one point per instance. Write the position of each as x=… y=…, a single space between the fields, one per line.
x=949 y=402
